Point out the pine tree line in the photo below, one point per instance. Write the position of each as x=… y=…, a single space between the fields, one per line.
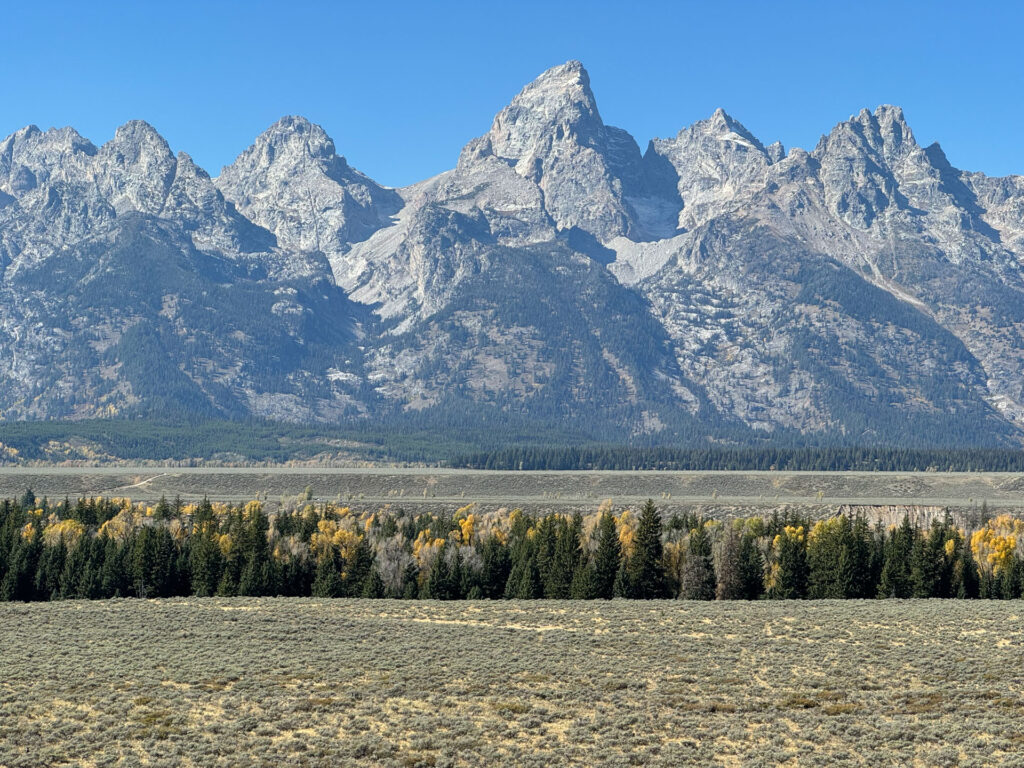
x=100 y=548
x=819 y=459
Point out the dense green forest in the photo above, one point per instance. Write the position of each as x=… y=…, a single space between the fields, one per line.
x=474 y=443
x=101 y=548
x=819 y=459
x=258 y=441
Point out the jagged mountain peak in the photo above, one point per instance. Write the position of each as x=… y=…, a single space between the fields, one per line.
x=139 y=132
x=295 y=139
x=22 y=134
x=776 y=151
x=185 y=162
x=712 y=163
x=728 y=128
x=884 y=131
x=292 y=182
x=719 y=125
x=557 y=106
x=65 y=135
x=590 y=174
x=29 y=156
x=568 y=82
x=872 y=163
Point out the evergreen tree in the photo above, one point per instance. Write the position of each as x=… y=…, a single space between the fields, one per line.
x=544 y=545
x=163 y=510
x=206 y=561
x=410 y=582
x=524 y=582
x=88 y=585
x=114 y=573
x=494 y=569
x=965 y=579
x=19 y=582
x=607 y=558
x=359 y=569
x=257 y=576
x=622 y=586
x=751 y=569
x=862 y=548
x=1009 y=579
x=698 y=580
x=895 y=577
x=50 y=570
x=831 y=560
x=151 y=557
x=790 y=576
x=563 y=563
x=373 y=586
x=728 y=566
x=928 y=575
x=646 y=570
x=327 y=580
x=584 y=583
x=439 y=584
x=75 y=566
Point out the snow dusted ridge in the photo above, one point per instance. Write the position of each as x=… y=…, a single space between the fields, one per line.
x=709 y=285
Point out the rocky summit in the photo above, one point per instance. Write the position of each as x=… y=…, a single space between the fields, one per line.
x=711 y=287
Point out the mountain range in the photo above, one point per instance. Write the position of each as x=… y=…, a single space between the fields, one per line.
x=707 y=288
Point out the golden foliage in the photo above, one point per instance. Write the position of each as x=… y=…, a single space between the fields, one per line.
x=627 y=523
x=425 y=549
x=791 y=532
x=994 y=545
x=119 y=527
x=71 y=531
x=823 y=528
x=466 y=528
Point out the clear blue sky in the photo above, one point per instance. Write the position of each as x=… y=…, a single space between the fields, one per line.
x=402 y=86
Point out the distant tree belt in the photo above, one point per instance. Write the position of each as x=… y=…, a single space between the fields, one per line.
x=468 y=439
x=820 y=459
x=102 y=548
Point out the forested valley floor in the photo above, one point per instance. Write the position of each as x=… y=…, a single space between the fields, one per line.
x=112 y=547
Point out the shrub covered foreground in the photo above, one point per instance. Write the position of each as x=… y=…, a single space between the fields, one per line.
x=401 y=684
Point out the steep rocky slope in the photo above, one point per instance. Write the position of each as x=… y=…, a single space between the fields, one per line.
x=131 y=285
x=712 y=286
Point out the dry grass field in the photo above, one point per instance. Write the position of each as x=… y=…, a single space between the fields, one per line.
x=332 y=683
x=714 y=494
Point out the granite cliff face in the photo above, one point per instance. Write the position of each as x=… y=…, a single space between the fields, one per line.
x=711 y=286
x=130 y=284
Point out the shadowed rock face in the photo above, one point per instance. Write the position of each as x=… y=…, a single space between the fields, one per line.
x=713 y=286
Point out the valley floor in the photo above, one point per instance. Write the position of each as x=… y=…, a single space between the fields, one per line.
x=711 y=493
x=268 y=682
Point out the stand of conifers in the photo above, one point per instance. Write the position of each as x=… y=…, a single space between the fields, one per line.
x=110 y=547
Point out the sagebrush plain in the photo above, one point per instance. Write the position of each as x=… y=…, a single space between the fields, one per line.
x=714 y=493
x=307 y=682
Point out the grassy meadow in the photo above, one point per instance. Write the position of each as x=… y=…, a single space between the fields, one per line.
x=308 y=682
